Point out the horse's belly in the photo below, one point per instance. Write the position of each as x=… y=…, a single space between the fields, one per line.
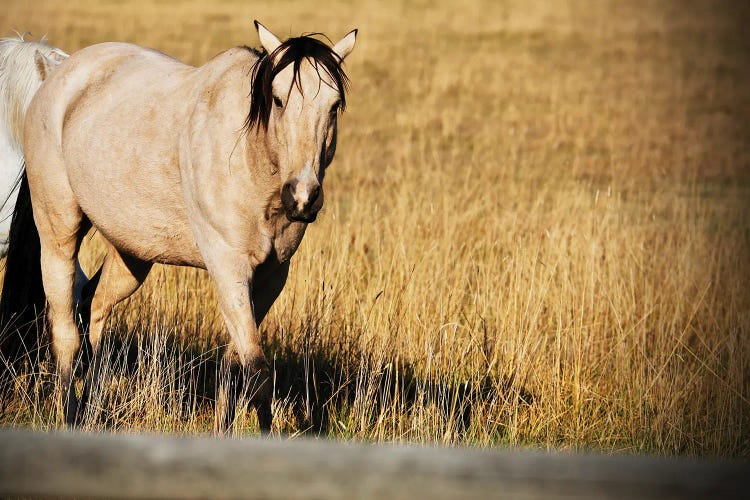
x=155 y=239
x=151 y=226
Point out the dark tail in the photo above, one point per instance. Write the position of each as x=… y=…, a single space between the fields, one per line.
x=22 y=301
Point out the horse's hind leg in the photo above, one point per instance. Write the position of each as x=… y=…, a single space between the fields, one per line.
x=61 y=225
x=119 y=277
x=60 y=231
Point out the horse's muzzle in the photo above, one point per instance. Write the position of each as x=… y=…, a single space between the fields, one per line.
x=301 y=206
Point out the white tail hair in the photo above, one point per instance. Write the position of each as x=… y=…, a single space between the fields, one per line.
x=20 y=78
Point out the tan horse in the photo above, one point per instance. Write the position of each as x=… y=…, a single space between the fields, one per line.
x=218 y=167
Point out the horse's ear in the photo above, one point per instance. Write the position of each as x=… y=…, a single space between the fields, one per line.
x=58 y=56
x=46 y=65
x=345 y=46
x=267 y=39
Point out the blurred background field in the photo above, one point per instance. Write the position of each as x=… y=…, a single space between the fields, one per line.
x=535 y=233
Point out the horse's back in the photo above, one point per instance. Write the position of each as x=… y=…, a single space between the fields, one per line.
x=105 y=128
x=101 y=72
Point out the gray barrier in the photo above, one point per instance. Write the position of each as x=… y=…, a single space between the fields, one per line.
x=144 y=466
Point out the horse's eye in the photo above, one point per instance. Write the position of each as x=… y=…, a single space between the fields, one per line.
x=277 y=102
x=335 y=107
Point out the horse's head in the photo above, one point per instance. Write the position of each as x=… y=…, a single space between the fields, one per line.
x=298 y=90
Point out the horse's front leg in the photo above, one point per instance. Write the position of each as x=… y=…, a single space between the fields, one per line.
x=244 y=363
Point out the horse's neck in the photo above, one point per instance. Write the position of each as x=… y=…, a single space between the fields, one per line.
x=261 y=166
x=11 y=166
x=11 y=157
x=11 y=161
x=12 y=110
x=232 y=176
x=252 y=183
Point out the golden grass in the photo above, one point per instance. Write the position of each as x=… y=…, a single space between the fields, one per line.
x=535 y=233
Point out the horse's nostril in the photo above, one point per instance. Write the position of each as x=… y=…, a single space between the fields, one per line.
x=302 y=208
x=313 y=195
x=287 y=197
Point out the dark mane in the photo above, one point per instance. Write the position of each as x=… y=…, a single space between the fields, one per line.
x=293 y=51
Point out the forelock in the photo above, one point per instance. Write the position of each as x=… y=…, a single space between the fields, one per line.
x=293 y=52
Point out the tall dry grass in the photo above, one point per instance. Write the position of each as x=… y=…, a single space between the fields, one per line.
x=535 y=233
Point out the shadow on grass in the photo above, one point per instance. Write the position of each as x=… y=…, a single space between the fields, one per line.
x=313 y=379
x=318 y=379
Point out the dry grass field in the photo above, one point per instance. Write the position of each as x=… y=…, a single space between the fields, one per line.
x=535 y=234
